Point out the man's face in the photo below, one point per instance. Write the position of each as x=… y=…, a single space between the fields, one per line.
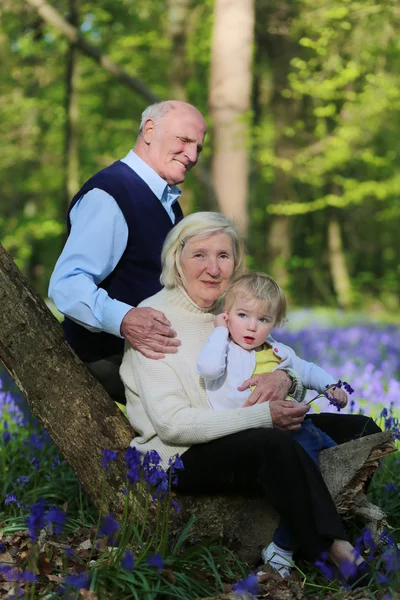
x=175 y=143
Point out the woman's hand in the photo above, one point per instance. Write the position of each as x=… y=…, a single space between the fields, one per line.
x=269 y=386
x=339 y=395
x=288 y=416
x=221 y=320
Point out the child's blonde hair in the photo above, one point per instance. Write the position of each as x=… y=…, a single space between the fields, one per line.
x=260 y=287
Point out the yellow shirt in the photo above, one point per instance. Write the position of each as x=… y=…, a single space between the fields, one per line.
x=266 y=361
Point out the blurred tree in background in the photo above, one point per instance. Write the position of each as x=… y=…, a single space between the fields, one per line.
x=313 y=119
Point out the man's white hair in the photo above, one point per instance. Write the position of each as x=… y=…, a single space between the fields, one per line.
x=155 y=112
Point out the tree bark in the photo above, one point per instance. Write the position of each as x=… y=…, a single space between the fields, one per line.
x=73 y=407
x=178 y=11
x=337 y=263
x=72 y=114
x=229 y=102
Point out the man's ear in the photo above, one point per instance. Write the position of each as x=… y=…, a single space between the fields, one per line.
x=148 y=131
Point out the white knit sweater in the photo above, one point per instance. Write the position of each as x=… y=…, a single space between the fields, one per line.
x=166 y=399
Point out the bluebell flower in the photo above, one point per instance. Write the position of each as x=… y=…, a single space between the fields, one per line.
x=28 y=576
x=347 y=568
x=155 y=560
x=6 y=434
x=36 y=520
x=108 y=527
x=78 y=581
x=24 y=479
x=36 y=463
x=127 y=561
x=325 y=569
x=176 y=506
x=2 y=548
x=12 y=499
x=390 y=487
x=247 y=586
x=348 y=387
x=10 y=573
x=133 y=460
x=108 y=457
x=57 y=518
x=55 y=462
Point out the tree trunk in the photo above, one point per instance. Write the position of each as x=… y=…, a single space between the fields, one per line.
x=337 y=263
x=229 y=102
x=178 y=11
x=73 y=407
x=279 y=249
x=72 y=114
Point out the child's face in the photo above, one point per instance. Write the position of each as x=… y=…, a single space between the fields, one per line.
x=250 y=322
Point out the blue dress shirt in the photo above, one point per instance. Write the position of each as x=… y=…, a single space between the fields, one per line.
x=94 y=247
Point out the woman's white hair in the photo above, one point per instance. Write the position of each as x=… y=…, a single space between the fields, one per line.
x=198 y=224
x=155 y=112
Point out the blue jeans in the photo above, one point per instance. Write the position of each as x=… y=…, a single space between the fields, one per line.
x=313 y=440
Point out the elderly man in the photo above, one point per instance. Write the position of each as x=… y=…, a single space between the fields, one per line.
x=117 y=224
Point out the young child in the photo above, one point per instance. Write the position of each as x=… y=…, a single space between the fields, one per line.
x=241 y=346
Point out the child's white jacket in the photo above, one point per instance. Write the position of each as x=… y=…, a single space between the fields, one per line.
x=224 y=366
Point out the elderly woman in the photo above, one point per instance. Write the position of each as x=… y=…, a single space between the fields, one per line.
x=240 y=450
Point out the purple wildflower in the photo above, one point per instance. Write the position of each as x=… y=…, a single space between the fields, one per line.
x=127 y=561
x=325 y=569
x=175 y=464
x=6 y=433
x=24 y=479
x=133 y=462
x=108 y=527
x=12 y=499
x=348 y=387
x=28 y=576
x=57 y=518
x=36 y=520
x=10 y=573
x=247 y=586
x=155 y=560
x=153 y=473
x=108 y=457
x=333 y=401
x=176 y=506
x=390 y=487
x=2 y=548
x=36 y=463
x=55 y=462
x=78 y=581
x=347 y=569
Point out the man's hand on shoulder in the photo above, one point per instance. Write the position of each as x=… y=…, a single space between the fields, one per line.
x=149 y=331
x=269 y=387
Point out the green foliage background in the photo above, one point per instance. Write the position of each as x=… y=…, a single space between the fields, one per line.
x=323 y=138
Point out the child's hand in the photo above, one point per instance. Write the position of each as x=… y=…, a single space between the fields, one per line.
x=221 y=320
x=339 y=395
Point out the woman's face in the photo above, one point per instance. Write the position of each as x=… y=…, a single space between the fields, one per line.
x=207 y=264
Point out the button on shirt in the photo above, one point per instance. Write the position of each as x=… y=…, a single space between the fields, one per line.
x=96 y=242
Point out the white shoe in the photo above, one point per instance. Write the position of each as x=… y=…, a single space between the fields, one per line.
x=280 y=560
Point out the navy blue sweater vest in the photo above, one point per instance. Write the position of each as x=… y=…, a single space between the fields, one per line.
x=137 y=275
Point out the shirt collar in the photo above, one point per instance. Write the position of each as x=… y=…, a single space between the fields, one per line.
x=156 y=183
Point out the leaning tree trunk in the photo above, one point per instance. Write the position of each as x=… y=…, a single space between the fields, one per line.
x=61 y=393
x=229 y=102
